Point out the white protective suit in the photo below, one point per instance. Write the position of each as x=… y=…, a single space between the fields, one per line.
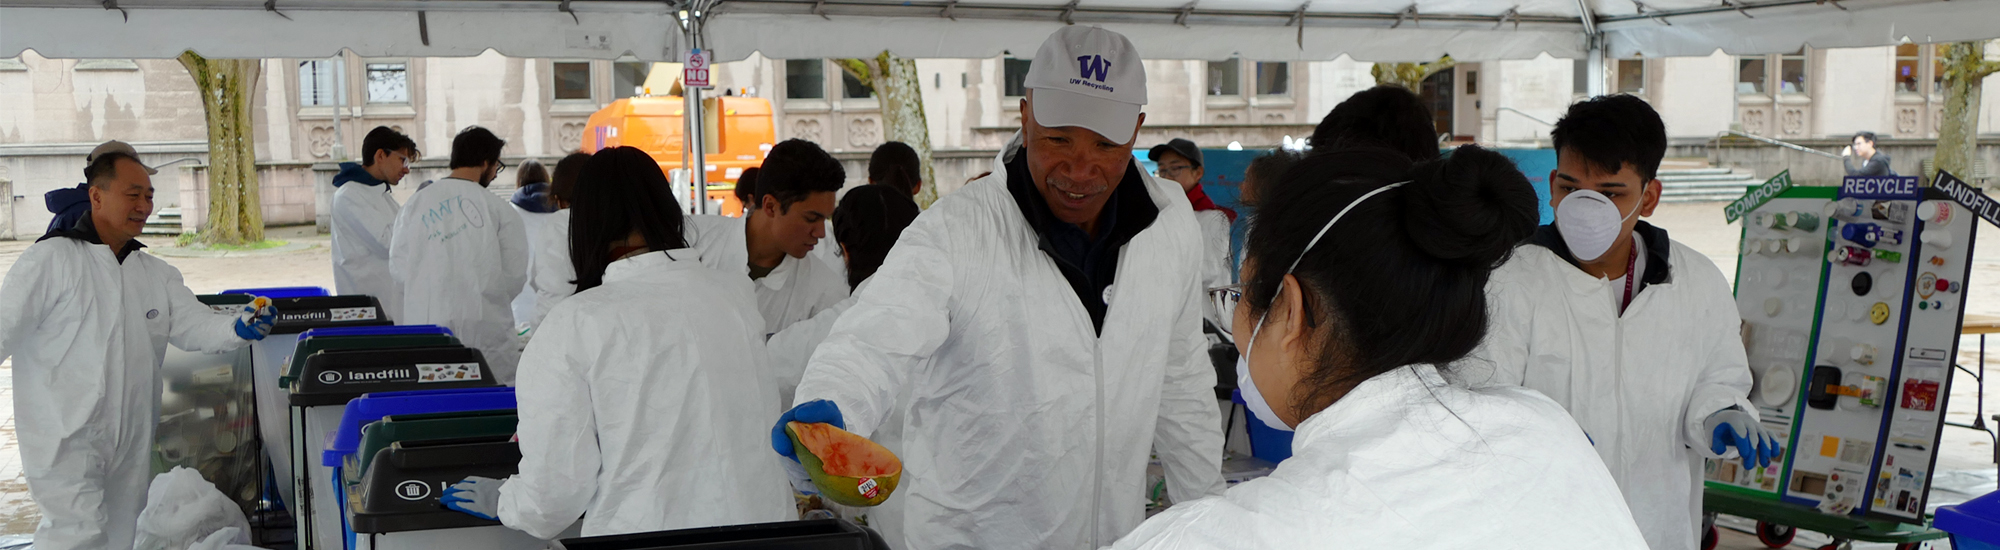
x=535 y=224
x=87 y=334
x=461 y=255
x=364 y=216
x=795 y=291
x=1409 y=460
x=1025 y=427
x=1216 y=267
x=644 y=403
x=551 y=276
x=1640 y=383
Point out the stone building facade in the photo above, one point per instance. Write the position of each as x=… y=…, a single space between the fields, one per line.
x=311 y=113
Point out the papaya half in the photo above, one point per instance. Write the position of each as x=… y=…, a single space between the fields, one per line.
x=847 y=468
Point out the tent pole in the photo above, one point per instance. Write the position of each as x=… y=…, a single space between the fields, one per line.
x=696 y=159
x=1593 y=42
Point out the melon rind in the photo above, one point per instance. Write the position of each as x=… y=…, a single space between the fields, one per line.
x=843 y=490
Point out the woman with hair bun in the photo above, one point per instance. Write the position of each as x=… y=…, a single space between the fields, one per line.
x=1365 y=280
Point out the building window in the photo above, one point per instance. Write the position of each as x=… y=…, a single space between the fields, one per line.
x=1579 y=79
x=628 y=78
x=854 y=88
x=1632 y=76
x=572 y=80
x=319 y=83
x=1224 y=78
x=388 y=83
x=1274 y=78
x=1793 y=72
x=1471 y=82
x=805 y=79
x=1750 y=75
x=1908 y=63
x=1015 y=73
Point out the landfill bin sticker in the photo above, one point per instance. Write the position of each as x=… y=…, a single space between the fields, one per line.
x=413 y=490
x=431 y=373
x=352 y=314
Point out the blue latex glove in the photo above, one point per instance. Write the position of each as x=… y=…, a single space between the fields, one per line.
x=1732 y=427
x=815 y=411
x=254 y=323
x=476 y=496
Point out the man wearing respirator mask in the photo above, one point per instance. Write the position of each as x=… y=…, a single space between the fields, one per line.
x=1635 y=334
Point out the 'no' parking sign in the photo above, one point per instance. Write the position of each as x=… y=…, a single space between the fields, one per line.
x=694 y=74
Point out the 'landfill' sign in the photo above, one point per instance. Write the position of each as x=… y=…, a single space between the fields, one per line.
x=1967 y=196
x=695 y=73
x=1757 y=197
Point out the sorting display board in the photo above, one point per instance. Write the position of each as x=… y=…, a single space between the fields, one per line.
x=1851 y=302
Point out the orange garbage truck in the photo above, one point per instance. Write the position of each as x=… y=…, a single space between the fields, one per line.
x=737 y=132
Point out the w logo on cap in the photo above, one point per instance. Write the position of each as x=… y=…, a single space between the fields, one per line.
x=1094 y=67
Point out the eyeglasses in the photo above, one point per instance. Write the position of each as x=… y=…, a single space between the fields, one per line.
x=1171 y=171
x=502 y=168
x=1225 y=298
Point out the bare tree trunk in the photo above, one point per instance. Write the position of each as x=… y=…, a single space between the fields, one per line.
x=235 y=213
x=1408 y=75
x=1965 y=68
x=901 y=93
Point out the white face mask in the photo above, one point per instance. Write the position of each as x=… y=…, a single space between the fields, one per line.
x=1590 y=223
x=1251 y=396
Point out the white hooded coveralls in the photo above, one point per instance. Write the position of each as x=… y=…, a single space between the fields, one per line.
x=1642 y=383
x=645 y=407
x=551 y=275
x=1025 y=428
x=461 y=256
x=794 y=291
x=364 y=216
x=798 y=289
x=88 y=334
x=1409 y=460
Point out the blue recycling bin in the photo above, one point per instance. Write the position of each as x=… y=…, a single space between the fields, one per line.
x=1973 y=524
x=1265 y=443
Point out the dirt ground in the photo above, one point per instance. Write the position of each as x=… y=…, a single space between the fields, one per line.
x=1699 y=225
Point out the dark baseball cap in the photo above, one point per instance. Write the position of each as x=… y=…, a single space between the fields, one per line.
x=1179 y=146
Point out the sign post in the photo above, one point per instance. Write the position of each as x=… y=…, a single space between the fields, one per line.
x=694 y=78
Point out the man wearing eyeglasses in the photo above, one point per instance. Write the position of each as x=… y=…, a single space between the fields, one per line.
x=1179 y=161
x=364 y=215
x=460 y=254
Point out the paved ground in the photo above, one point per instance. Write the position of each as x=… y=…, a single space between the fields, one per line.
x=1967 y=457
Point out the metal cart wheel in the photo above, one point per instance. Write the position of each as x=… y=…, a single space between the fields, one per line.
x=1709 y=538
x=1774 y=535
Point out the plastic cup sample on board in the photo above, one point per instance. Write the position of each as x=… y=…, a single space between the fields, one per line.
x=1937 y=239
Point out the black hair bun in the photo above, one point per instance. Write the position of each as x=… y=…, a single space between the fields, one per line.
x=1471 y=207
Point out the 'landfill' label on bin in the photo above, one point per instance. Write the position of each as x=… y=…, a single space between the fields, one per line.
x=352 y=314
x=447 y=372
x=315 y=316
x=393 y=374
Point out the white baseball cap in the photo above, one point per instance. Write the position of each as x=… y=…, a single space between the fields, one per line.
x=1088 y=77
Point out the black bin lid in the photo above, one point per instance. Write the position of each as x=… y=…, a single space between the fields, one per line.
x=334 y=377
x=825 y=534
x=296 y=315
x=401 y=488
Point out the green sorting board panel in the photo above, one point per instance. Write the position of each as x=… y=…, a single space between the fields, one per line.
x=1780 y=274
x=398 y=428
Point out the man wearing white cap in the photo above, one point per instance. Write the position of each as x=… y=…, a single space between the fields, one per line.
x=87 y=317
x=1045 y=322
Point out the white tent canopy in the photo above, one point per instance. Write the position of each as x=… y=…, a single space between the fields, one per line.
x=1367 y=30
